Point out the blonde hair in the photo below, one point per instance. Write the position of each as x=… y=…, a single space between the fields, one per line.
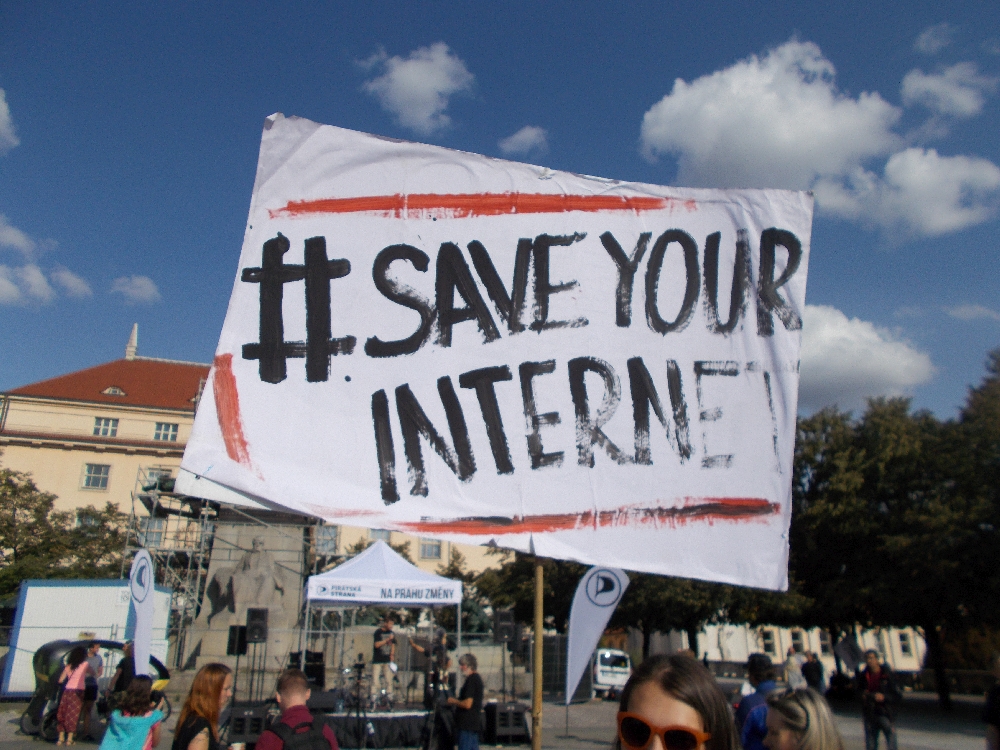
x=807 y=714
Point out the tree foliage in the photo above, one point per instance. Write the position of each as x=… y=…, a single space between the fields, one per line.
x=37 y=541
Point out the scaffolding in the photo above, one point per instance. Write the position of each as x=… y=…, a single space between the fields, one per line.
x=178 y=532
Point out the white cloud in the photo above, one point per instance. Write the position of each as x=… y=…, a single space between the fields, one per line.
x=8 y=138
x=524 y=141
x=10 y=294
x=73 y=285
x=920 y=193
x=958 y=90
x=935 y=38
x=24 y=284
x=136 y=289
x=846 y=361
x=417 y=89
x=973 y=312
x=34 y=283
x=779 y=121
x=11 y=236
x=775 y=121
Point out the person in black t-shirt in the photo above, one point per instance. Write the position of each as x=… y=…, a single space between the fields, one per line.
x=384 y=654
x=468 y=705
x=125 y=672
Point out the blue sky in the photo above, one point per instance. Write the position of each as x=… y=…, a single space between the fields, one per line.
x=129 y=136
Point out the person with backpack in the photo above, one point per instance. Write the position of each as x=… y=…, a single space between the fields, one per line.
x=297 y=729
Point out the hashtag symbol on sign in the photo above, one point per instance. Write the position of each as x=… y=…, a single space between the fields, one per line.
x=318 y=271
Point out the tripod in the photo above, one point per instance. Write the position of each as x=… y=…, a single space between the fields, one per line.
x=441 y=716
x=360 y=706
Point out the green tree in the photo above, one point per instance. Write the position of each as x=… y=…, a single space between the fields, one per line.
x=660 y=603
x=474 y=617
x=37 y=541
x=512 y=584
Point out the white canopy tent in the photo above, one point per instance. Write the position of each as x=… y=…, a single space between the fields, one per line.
x=380 y=576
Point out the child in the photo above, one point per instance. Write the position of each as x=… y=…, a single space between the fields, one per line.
x=134 y=725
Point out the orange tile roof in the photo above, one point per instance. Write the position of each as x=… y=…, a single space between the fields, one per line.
x=146 y=382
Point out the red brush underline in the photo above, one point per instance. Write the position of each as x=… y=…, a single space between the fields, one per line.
x=460 y=206
x=734 y=509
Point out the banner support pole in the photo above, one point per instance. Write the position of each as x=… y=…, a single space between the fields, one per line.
x=536 y=664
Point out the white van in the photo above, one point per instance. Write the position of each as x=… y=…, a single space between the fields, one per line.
x=611 y=670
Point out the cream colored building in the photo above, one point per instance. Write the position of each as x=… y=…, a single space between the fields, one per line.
x=96 y=435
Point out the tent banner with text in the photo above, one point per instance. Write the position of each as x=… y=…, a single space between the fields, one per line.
x=460 y=347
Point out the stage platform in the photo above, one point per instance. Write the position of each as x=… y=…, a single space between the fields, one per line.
x=389 y=729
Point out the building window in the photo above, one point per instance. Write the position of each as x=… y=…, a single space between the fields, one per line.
x=797 y=644
x=326 y=541
x=166 y=431
x=767 y=641
x=430 y=549
x=96 y=476
x=382 y=534
x=825 y=647
x=105 y=427
x=151 y=531
x=904 y=644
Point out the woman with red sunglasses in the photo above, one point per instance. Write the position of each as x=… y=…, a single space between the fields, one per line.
x=674 y=703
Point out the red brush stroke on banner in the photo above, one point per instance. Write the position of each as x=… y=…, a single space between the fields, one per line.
x=708 y=509
x=227 y=408
x=461 y=206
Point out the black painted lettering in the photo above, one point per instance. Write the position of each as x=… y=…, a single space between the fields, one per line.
x=644 y=396
x=403 y=295
x=535 y=421
x=414 y=423
x=588 y=427
x=508 y=307
x=384 y=447
x=544 y=288
x=741 y=282
x=627 y=266
x=653 y=268
x=454 y=275
x=768 y=299
x=272 y=349
x=483 y=381
x=701 y=370
x=319 y=345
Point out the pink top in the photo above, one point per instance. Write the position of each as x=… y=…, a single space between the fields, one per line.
x=76 y=677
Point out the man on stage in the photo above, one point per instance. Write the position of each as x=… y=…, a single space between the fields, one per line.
x=384 y=655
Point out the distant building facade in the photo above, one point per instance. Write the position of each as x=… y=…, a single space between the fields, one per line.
x=96 y=435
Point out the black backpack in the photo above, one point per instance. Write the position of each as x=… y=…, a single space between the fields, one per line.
x=294 y=739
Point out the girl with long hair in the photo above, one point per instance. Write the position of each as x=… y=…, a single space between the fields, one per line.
x=674 y=703
x=198 y=723
x=800 y=720
x=135 y=725
x=73 y=677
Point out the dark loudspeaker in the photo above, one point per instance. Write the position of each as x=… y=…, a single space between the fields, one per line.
x=506 y=723
x=256 y=626
x=248 y=721
x=503 y=626
x=315 y=669
x=237 y=644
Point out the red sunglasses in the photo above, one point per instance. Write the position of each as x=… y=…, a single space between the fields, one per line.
x=636 y=734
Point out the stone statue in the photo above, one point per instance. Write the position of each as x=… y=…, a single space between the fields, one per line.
x=255 y=582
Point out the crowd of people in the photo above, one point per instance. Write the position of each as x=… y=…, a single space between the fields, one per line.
x=669 y=703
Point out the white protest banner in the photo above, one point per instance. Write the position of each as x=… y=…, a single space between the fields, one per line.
x=461 y=347
x=596 y=597
x=141 y=588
